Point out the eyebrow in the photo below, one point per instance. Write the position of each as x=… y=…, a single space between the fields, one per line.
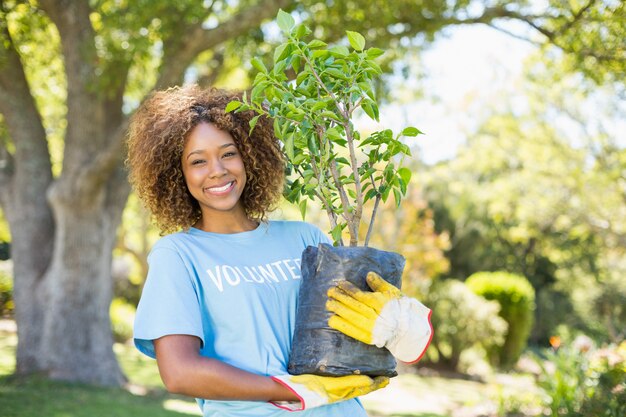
x=199 y=151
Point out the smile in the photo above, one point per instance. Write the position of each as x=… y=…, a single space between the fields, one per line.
x=221 y=190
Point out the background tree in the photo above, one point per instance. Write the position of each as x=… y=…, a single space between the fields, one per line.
x=71 y=73
x=532 y=195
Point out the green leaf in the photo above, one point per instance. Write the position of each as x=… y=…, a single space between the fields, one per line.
x=333 y=133
x=336 y=233
x=281 y=52
x=253 y=122
x=411 y=131
x=339 y=50
x=233 y=105
x=318 y=106
x=258 y=64
x=357 y=41
x=257 y=91
x=369 y=195
x=316 y=43
x=371 y=109
x=279 y=67
x=330 y=115
x=312 y=145
x=397 y=197
x=320 y=53
x=299 y=158
x=285 y=21
x=405 y=174
x=336 y=73
x=384 y=192
x=295 y=63
x=374 y=52
x=375 y=67
x=302 y=31
x=288 y=141
x=302 y=206
x=367 y=87
x=302 y=77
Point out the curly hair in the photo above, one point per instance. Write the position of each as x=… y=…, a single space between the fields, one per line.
x=156 y=139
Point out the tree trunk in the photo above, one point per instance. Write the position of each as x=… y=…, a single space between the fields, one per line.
x=77 y=339
x=30 y=250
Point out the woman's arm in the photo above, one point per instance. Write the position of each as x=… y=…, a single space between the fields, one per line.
x=184 y=371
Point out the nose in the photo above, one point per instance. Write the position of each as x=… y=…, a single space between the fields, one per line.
x=217 y=169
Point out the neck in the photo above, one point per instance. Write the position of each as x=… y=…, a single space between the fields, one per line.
x=226 y=224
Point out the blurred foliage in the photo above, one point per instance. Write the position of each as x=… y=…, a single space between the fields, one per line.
x=587 y=36
x=7 y=305
x=516 y=298
x=410 y=230
x=581 y=380
x=39 y=46
x=122 y=317
x=539 y=191
x=136 y=235
x=462 y=320
x=5 y=238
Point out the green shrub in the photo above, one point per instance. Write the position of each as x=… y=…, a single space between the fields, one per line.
x=122 y=318
x=6 y=289
x=517 y=302
x=606 y=383
x=580 y=380
x=462 y=320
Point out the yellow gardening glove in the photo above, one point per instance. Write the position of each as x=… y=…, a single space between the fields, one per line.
x=315 y=390
x=385 y=317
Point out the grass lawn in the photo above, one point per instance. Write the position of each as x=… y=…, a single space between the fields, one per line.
x=408 y=395
x=144 y=396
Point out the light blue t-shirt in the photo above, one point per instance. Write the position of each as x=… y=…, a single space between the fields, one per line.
x=237 y=293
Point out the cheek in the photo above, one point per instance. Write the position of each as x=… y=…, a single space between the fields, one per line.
x=192 y=176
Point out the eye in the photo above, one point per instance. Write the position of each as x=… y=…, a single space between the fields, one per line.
x=197 y=161
x=230 y=154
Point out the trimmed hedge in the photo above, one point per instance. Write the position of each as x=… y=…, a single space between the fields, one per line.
x=462 y=320
x=516 y=297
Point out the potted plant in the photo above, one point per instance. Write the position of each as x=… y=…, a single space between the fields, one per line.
x=312 y=93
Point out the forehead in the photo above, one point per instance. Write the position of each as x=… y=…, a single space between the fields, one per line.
x=206 y=135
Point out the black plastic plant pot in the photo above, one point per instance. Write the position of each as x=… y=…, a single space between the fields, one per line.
x=316 y=348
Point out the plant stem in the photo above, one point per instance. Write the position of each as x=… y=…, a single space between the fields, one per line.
x=373 y=217
x=358 y=211
x=332 y=217
x=344 y=199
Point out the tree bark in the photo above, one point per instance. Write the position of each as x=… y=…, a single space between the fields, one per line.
x=25 y=176
x=77 y=340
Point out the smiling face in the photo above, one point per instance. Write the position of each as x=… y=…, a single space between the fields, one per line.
x=214 y=172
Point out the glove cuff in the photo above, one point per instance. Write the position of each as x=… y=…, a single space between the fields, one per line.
x=414 y=332
x=308 y=398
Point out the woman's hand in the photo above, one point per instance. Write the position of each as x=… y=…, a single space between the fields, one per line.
x=314 y=390
x=384 y=317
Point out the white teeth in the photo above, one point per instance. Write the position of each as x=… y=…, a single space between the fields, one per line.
x=220 y=189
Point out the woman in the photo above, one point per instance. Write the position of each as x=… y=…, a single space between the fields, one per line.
x=218 y=307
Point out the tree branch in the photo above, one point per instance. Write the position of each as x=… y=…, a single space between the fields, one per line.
x=107 y=159
x=197 y=40
x=71 y=18
x=22 y=119
x=576 y=17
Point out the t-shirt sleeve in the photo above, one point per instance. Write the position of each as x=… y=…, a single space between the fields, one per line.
x=320 y=236
x=169 y=302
